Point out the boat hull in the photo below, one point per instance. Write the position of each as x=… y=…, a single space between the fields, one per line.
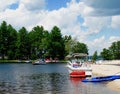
x=77 y=74
x=39 y=63
x=87 y=70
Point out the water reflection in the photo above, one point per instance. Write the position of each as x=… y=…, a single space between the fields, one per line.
x=77 y=84
x=51 y=83
x=76 y=81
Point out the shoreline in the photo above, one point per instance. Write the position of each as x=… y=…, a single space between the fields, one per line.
x=107 y=68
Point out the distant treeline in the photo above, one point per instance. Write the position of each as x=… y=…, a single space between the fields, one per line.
x=113 y=52
x=37 y=43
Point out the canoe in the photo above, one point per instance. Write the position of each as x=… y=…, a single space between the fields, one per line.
x=103 y=78
x=116 y=76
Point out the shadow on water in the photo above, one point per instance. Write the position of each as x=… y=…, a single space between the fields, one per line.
x=45 y=79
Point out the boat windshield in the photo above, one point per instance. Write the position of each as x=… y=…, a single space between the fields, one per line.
x=79 y=61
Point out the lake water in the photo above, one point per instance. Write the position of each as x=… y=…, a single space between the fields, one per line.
x=45 y=79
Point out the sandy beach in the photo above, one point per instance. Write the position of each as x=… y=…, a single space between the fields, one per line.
x=108 y=68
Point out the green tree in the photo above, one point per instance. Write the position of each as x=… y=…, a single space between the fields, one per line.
x=45 y=44
x=36 y=38
x=80 y=48
x=56 y=47
x=74 y=46
x=12 y=40
x=22 y=44
x=37 y=43
x=4 y=35
x=32 y=44
x=94 y=58
x=68 y=44
x=106 y=54
x=115 y=49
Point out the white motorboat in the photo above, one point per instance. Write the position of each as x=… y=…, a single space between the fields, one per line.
x=78 y=67
x=39 y=62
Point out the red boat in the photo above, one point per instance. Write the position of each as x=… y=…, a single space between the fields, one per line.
x=77 y=74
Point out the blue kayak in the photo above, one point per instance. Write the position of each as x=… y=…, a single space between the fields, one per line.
x=116 y=76
x=103 y=78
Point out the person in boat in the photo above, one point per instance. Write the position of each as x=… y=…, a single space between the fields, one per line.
x=77 y=64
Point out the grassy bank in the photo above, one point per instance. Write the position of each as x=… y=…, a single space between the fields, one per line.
x=24 y=61
x=12 y=61
x=8 y=61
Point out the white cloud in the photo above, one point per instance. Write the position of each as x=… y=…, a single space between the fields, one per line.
x=35 y=5
x=97 y=45
x=96 y=24
x=114 y=39
x=99 y=41
x=65 y=18
x=116 y=22
x=5 y=3
x=26 y=14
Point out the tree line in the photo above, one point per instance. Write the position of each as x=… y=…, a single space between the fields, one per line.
x=37 y=43
x=113 y=52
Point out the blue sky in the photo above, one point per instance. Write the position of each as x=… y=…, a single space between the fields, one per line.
x=93 y=22
x=13 y=6
x=56 y=4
